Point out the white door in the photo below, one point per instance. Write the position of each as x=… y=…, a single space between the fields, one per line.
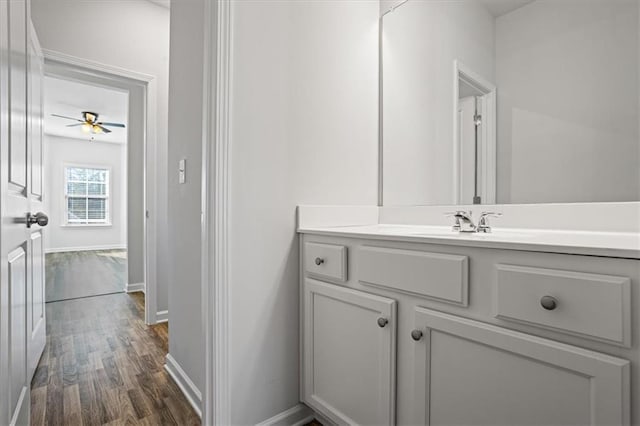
x=467 y=144
x=36 y=291
x=18 y=256
x=471 y=373
x=349 y=354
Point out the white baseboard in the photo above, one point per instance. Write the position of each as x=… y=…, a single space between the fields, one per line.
x=162 y=316
x=322 y=419
x=295 y=416
x=131 y=288
x=85 y=248
x=190 y=391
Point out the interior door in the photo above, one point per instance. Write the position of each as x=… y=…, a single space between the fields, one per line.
x=35 y=292
x=17 y=232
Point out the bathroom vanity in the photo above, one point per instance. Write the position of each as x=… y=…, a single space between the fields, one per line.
x=420 y=325
x=528 y=108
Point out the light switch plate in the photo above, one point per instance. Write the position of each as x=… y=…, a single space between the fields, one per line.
x=182 y=171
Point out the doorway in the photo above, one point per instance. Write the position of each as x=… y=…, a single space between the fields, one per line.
x=474 y=118
x=105 y=247
x=85 y=164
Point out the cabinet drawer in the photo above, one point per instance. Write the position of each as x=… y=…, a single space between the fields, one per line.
x=327 y=261
x=590 y=305
x=433 y=275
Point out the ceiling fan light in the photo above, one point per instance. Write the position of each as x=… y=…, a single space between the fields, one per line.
x=87 y=128
x=97 y=129
x=90 y=117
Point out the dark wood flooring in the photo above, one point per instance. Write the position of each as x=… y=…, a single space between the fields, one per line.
x=103 y=365
x=85 y=273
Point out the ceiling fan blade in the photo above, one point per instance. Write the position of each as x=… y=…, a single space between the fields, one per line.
x=111 y=124
x=104 y=129
x=68 y=118
x=75 y=125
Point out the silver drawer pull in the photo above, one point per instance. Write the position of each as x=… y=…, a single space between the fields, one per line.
x=319 y=261
x=416 y=335
x=382 y=322
x=549 y=303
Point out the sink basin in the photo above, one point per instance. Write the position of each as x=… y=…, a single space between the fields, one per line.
x=446 y=231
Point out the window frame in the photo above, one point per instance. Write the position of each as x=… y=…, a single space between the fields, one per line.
x=107 y=196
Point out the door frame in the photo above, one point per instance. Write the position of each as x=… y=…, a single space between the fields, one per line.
x=56 y=64
x=216 y=110
x=488 y=153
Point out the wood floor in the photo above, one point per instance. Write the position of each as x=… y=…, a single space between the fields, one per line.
x=103 y=365
x=84 y=273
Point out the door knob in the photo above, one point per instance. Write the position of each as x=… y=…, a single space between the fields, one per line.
x=416 y=335
x=382 y=322
x=39 y=218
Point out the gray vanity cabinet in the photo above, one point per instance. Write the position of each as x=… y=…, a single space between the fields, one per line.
x=471 y=373
x=484 y=336
x=349 y=354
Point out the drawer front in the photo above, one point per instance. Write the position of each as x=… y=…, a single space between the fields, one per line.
x=444 y=277
x=326 y=261
x=590 y=305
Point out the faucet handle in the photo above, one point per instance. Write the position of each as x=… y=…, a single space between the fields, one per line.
x=483 y=222
x=455 y=213
x=456 y=227
x=490 y=214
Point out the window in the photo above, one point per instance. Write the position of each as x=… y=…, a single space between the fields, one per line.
x=86 y=195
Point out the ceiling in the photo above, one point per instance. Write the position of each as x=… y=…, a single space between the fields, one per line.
x=502 y=7
x=70 y=98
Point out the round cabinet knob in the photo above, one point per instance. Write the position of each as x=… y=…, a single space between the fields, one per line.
x=416 y=335
x=382 y=322
x=319 y=261
x=548 y=302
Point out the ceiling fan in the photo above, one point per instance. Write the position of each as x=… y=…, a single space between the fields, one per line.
x=90 y=123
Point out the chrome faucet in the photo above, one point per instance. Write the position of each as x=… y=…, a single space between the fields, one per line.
x=464 y=221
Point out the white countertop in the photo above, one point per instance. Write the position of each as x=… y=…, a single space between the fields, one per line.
x=608 y=244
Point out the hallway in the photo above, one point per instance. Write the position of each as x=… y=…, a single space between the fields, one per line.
x=103 y=365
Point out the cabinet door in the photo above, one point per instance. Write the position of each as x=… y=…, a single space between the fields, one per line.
x=349 y=354
x=471 y=373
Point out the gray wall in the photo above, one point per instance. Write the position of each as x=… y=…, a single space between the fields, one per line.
x=185 y=141
x=133 y=35
x=62 y=151
x=567 y=76
x=304 y=131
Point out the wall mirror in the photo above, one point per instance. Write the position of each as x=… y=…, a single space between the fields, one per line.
x=510 y=101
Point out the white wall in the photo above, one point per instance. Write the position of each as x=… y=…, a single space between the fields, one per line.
x=64 y=151
x=133 y=35
x=185 y=141
x=567 y=76
x=420 y=41
x=304 y=130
